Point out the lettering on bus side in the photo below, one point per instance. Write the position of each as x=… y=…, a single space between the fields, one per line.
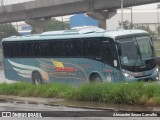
x=107 y=71
x=65 y=69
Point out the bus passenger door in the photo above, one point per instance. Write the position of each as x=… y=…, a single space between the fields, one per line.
x=109 y=60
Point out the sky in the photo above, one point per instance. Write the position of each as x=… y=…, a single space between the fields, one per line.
x=148 y=6
x=142 y=8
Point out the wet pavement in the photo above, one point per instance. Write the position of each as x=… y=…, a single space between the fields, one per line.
x=2 y=77
x=59 y=107
x=5 y=99
x=105 y=106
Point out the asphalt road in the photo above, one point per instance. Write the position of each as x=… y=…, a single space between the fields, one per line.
x=2 y=77
x=60 y=111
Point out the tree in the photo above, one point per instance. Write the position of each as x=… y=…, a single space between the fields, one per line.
x=146 y=28
x=55 y=25
x=7 y=30
x=126 y=24
x=158 y=29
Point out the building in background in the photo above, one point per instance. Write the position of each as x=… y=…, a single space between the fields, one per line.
x=147 y=19
x=138 y=19
x=26 y=30
x=22 y=28
x=82 y=20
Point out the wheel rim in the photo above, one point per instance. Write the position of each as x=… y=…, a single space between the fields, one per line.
x=37 y=79
x=95 y=79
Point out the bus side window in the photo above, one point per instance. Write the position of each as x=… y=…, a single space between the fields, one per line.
x=42 y=49
x=69 y=48
x=58 y=48
x=78 y=45
x=37 y=49
x=45 y=49
x=27 y=49
x=52 y=49
x=14 y=50
x=74 y=48
x=18 y=50
x=91 y=48
x=6 y=50
x=108 y=53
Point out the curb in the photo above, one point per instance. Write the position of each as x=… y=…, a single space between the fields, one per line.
x=29 y=100
x=66 y=103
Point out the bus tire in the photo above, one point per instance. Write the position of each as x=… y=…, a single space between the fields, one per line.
x=95 y=78
x=36 y=78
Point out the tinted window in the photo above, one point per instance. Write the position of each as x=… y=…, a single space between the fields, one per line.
x=6 y=50
x=34 y=49
x=74 y=48
x=88 y=47
x=91 y=47
x=109 y=53
x=11 y=49
x=27 y=49
x=57 y=48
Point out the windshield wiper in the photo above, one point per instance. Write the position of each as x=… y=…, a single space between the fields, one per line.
x=139 y=53
x=153 y=53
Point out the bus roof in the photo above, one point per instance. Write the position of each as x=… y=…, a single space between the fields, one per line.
x=82 y=33
x=119 y=33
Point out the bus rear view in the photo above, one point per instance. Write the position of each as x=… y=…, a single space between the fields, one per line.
x=81 y=56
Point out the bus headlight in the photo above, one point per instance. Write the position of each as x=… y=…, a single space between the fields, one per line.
x=128 y=76
x=156 y=71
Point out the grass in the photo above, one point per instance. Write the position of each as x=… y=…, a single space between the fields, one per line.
x=157 y=47
x=158 y=53
x=28 y=90
x=121 y=93
x=131 y=93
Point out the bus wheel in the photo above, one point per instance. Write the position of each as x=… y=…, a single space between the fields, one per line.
x=36 y=78
x=95 y=78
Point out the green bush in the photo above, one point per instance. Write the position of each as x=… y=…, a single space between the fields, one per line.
x=122 y=93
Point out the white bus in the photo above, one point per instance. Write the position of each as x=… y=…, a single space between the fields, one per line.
x=78 y=56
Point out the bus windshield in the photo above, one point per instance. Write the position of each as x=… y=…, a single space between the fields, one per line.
x=137 y=54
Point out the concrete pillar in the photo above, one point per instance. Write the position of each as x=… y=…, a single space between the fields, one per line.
x=38 y=24
x=101 y=16
x=102 y=24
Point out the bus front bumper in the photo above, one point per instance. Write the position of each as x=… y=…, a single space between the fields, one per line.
x=153 y=77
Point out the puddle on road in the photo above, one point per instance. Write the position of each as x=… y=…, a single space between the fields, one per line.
x=104 y=106
x=84 y=104
x=3 y=101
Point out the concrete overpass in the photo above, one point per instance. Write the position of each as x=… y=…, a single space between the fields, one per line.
x=98 y=9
